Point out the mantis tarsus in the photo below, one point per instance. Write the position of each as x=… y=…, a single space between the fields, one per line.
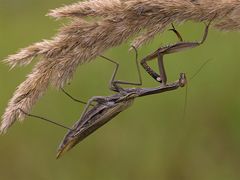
x=105 y=108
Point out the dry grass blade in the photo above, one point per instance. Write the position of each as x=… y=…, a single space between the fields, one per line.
x=112 y=22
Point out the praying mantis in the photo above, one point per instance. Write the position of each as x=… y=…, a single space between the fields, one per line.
x=107 y=107
x=101 y=109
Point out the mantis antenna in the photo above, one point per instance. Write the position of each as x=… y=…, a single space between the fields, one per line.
x=191 y=78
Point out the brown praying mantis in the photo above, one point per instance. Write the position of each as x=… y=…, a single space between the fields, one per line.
x=101 y=109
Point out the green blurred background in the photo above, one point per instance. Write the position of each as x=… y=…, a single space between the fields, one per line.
x=150 y=140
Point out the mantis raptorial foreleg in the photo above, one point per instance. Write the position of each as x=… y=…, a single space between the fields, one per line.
x=159 y=53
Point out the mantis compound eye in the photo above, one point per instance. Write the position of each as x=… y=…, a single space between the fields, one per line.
x=182 y=80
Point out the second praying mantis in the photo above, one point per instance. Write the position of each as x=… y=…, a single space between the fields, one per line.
x=101 y=109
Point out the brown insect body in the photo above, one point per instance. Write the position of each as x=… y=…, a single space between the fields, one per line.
x=93 y=119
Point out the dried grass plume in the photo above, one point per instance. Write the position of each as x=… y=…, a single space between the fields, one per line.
x=97 y=25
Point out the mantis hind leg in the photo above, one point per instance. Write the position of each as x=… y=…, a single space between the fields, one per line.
x=44 y=119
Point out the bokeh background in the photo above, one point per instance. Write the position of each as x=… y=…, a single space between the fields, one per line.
x=151 y=140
